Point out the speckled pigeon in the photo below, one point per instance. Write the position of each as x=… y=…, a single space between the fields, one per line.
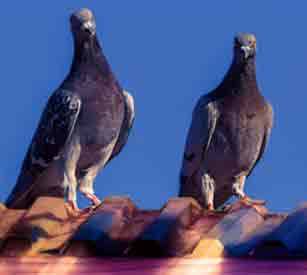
x=86 y=123
x=229 y=132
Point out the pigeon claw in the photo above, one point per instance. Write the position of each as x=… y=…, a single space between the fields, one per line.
x=72 y=209
x=93 y=198
x=209 y=207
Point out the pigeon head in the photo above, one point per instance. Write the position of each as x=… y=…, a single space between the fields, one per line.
x=83 y=23
x=245 y=46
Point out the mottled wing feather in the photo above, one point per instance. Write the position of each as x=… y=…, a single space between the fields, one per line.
x=126 y=126
x=199 y=137
x=54 y=130
x=267 y=134
x=56 y=126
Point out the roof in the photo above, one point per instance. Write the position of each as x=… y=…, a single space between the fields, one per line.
x=118 y=228
x=173 y=266
x=179 y=238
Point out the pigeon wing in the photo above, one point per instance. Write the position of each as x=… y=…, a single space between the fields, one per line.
x=54 y=130
x=126 y=126
x=199 y=137
x=266 y=137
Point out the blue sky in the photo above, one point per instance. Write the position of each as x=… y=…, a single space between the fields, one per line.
x=167 y=54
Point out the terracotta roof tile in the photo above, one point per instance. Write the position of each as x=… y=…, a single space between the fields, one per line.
x=8 y=219
x=79 y=249
x=184 y=239
x=13 y=247
x=221 y=240
x=291 y=233
x=258 y=238
x=2 y=208
x=47 y=225
x=156 y=239
x=180 y=228
x=103 y=228
x=181 y=266
x=137 y=224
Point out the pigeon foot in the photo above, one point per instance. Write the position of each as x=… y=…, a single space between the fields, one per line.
x=251 y=201
x=210 y=207
x=73 y=210
x=93 y=198
x=225 y=208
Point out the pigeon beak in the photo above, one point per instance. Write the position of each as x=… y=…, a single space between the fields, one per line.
x=90 y=27
x=247 y=51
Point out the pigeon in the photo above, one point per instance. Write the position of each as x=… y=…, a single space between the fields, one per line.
x=228 y=135
x=126 y=125
x=84 y=125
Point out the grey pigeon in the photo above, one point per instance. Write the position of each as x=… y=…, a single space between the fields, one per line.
x=229 y=133
x=126 y=125
x=86 y=123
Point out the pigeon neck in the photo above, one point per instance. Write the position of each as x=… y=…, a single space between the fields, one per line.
x=241 y=77
x=88 y=52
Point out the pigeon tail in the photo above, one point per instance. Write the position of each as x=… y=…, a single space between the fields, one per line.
x=26 y=191
x=20 y=201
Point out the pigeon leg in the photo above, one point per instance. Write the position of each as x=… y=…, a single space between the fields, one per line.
x=238 y=190
x=71 y=204
x=86 y=186
x=86 y=182
x=238 y=187
x=71 y=158
x=207 y=186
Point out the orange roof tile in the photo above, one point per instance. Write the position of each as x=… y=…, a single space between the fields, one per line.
x=181 y=228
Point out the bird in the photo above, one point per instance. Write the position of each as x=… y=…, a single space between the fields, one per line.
x=229 y=132
x=86 y=123
x=126 y=125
